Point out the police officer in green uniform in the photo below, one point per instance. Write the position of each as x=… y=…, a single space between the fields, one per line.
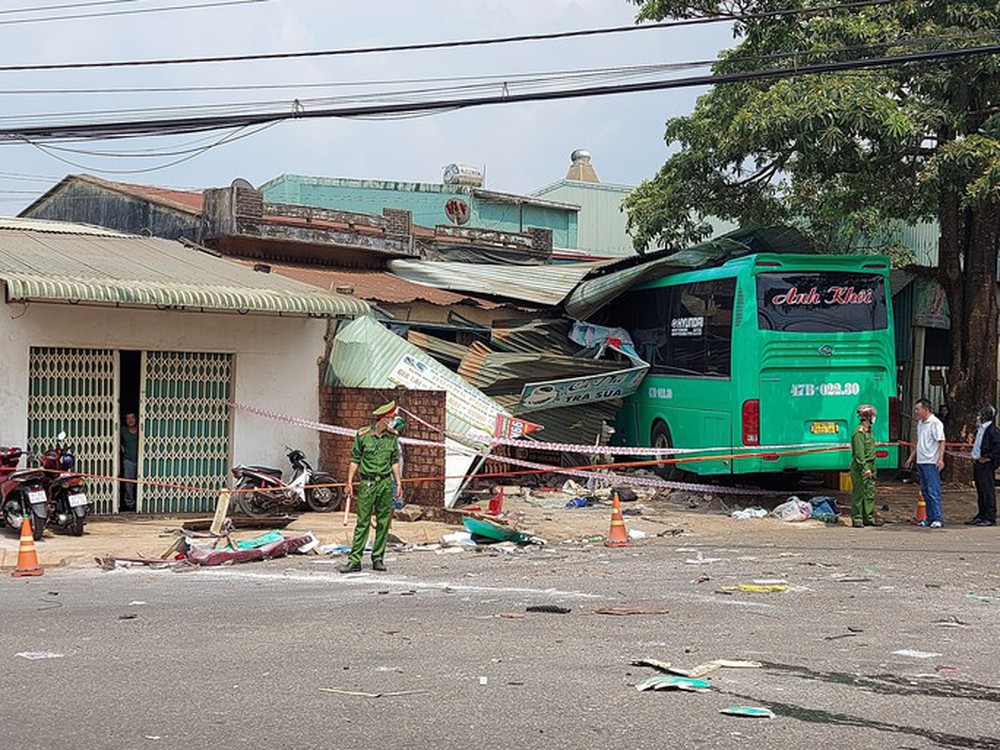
x=375 y=459
x=863 y=469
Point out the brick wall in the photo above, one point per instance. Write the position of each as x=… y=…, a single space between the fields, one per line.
x=399 y=223
x=541 y=241
x=352 y=407
x=248 y=203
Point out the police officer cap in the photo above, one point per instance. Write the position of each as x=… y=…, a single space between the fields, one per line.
x=386 y=410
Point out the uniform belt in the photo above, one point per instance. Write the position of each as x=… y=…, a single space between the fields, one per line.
x=375 y=477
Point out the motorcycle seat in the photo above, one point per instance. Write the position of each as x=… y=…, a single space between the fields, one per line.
x=269 y=470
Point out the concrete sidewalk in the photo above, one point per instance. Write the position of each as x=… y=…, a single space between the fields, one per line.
x=151 y=536
x=694 y=513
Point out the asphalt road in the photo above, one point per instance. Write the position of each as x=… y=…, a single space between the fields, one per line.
x=237 y=657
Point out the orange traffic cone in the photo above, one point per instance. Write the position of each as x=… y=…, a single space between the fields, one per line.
x=618 y=535
x=27 y=560
x=921 y=514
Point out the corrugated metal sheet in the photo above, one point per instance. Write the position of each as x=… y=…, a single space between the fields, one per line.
x=508 y=372
x=540 y=285
x=58 y=227
x=364 y=355
x=375 y=286
x=612 y=280
x=55 y=264
x=536 y=336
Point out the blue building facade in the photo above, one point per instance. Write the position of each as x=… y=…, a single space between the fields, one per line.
x=487 y=209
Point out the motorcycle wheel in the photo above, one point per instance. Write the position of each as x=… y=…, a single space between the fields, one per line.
x=323 y=499
x=37 y=527
x=254 y=504
x=75 y=525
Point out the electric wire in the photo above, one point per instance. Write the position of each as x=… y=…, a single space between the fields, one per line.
x=177 y=125
x=516 y=82
x=453 y=44
x=137 y=11
x=236 y=135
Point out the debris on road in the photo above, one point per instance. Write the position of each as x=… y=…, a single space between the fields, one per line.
x=362 y=694
x=35 y=655
x=699 y=671
x=793 y=510
x=623 y=611
x=672 y=682
x=552 y=609
x=700 y=560
x=662 y=666
x=751 y=712
x=914 y=654
x=748 y=514
x=753 y=588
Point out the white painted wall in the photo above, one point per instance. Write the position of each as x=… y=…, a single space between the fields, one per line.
x=275 y=364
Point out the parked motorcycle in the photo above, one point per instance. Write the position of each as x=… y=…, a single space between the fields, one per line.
x=22 y=493
x=67 y=493
x=268 y=494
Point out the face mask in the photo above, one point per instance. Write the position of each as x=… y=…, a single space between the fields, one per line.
x=873 y=420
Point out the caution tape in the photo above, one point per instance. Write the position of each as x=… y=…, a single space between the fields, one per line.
x=548 y=446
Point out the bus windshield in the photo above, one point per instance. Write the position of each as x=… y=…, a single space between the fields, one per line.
x=821 y=301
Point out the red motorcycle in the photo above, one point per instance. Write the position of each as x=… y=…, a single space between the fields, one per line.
x=22 y=493
x=67 y=493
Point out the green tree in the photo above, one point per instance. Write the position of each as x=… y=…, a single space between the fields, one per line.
x=844 y=155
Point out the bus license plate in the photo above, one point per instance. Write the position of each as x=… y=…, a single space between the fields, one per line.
x=37 y=497
x=75 y=501
x=824 y=428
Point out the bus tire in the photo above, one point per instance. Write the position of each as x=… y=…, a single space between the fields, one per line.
x=660 y=438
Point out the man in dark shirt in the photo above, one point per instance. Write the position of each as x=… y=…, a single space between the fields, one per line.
x=130 y=458
x=985 y=460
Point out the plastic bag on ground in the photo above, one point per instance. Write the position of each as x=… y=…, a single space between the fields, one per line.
x=792 y=510
x=748 y=514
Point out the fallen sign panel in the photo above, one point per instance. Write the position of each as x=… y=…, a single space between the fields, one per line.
x=671 y=682
x=752 y=712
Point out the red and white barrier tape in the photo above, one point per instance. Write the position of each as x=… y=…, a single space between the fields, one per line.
x=539 y=445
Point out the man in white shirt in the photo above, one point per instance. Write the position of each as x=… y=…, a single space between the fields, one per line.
x=929 y=456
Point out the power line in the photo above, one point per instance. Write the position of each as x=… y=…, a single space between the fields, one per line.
x=700 y=21
x=139 y=128
x=517 y=83
x=138 y=11
x=67 y=6
x=527 y=77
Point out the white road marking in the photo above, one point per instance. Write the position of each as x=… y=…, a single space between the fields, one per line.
x=407 y=583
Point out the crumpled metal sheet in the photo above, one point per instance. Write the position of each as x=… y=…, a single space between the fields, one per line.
x=208 y=558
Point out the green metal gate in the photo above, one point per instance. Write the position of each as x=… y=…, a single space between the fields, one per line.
x=185 y=435
x=76 y=390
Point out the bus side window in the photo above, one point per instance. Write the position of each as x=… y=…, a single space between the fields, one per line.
x=682 y=330
x=701 y=327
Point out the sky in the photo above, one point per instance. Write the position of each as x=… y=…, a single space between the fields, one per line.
x=522 y=147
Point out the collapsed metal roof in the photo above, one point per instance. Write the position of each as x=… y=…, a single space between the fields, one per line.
x=611 y=280
x=544 y=286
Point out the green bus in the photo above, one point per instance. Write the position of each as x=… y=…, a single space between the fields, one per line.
x=758 y=354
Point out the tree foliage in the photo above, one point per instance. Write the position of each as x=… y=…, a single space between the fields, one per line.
x=845 y=156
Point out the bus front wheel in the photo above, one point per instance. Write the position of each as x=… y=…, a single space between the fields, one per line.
x=660 y=439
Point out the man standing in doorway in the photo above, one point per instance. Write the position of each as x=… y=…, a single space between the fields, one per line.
x=130 y=458
x=375 y=458
x=985 y=460
x=929 y=456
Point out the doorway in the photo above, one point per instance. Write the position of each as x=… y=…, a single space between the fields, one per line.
x=129 y=364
